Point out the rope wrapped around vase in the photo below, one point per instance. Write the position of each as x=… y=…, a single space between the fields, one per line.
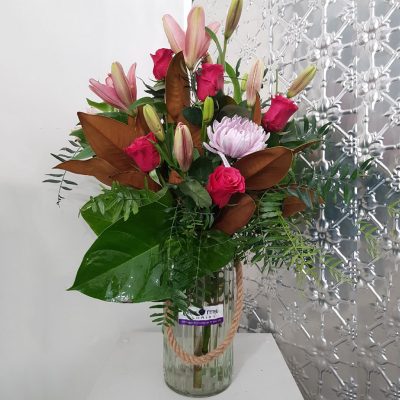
x=191 y=359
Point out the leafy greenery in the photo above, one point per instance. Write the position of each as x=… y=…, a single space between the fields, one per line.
x=115 y=203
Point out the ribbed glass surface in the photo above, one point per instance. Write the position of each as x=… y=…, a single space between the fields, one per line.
x=216 y=376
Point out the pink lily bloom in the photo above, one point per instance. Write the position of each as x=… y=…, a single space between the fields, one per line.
x=119 y=90
x=195 y=41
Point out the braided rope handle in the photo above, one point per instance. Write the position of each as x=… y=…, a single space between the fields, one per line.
x=191 y=359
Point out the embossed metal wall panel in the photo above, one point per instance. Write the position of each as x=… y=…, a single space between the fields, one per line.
x=341 y=341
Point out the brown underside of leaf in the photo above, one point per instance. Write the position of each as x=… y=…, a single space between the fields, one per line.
x=292 y=205
x=174 y=178
x=142 y=128
x=108 y=137
x=236 y=214
x=305 y=146
x=257 y=111
x=136 y=179
x=177 y=93
x=265 y=168
x=225 y=101
x=96 y=167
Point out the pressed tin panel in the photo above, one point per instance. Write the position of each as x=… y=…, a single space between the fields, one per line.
x=340 y=341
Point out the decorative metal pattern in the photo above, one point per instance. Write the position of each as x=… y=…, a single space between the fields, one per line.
x=340 y=341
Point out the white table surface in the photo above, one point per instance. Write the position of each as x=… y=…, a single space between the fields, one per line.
x=134 y=371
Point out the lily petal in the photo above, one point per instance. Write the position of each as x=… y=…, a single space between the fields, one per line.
x=214 y=26
x=106 y=93
x=175 y=34
x=132 y=81
x=195 y=36
x=121 y=84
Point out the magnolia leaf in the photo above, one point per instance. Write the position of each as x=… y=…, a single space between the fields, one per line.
x=265 y=168
x=96 y=167
x=236 y=214
x=292 y=205
x=226 y=100
x=257 y=110
x=305 y=146
x=107 y=138
x=177 y=92
x=123 y=264
x=196 y=192
x=231 y=110
x=136 y=179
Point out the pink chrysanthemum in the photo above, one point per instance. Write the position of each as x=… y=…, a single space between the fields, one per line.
x=236 y=137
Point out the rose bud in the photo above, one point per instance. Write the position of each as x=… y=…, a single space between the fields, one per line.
x=161 y=61
x=302 y=81
x=223 y=183
x=144 y=153
x=233 y=17
x=183 y=147
x=208 y=110
x=153 y=122
x=278 y=114
x=254 y=82
x=210 y=80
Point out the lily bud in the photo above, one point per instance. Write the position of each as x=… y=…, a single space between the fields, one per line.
x=244 y=82
x=183 y=147
x=233 y=17
x=302 y=81
x=208 y=110
x=153 y=122
x=121 y=83
x=254 y=81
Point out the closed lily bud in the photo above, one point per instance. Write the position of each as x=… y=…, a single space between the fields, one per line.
x=254 y=82
x=244 y=82
x=208 y=110
x=302 y=81
x=153 y=122
x=183 y=147
x=233 y=17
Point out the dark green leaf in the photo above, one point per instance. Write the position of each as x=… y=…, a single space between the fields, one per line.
x=196 y=191
x=123 y=263
x=194 y=115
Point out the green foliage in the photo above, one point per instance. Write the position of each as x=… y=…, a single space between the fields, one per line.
x=123 y=264
x=115 y=203
x=103 y=107
x=237 y=93
x=196 y=191
x=194 y=115
x=369 y=231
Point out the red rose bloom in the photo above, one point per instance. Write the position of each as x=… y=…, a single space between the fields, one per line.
x=144 y=152
x=210 y=80
x=161 y=60
x=278 y=114
x=223 y=183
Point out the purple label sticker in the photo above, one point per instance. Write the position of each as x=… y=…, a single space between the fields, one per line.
x=205 y=316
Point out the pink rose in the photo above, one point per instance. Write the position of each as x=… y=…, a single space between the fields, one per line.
x=209 y=80
x=161 y=61
x=144 y=152
x=223 y=183
x=278 y=114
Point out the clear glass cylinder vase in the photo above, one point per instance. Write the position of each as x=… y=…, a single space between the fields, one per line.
x=202 y=334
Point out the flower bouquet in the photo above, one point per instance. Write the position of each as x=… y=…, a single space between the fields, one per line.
x=197 y=177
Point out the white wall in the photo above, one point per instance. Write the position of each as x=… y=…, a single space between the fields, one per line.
x=53 y=342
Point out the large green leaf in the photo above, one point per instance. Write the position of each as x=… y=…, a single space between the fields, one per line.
x=196 y=191
x=123 y=263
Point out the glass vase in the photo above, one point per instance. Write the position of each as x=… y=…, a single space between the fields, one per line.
x=201 y=334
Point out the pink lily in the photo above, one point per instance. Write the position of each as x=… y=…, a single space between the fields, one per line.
x=119 y=90
x=195 y=41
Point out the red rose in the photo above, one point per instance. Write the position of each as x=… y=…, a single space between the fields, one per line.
x=144 y=152
x=210 y=80
x=161 y=60
x=278 y=114
x=223 y=183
